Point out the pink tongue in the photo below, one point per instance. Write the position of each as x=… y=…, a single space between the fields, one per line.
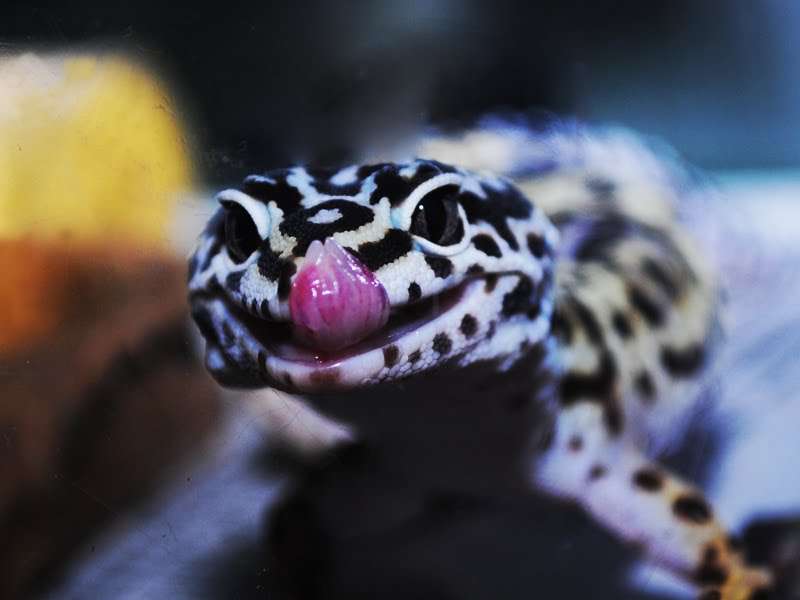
x=335 y=300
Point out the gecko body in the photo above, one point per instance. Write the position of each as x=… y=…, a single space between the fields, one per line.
x=423 y=301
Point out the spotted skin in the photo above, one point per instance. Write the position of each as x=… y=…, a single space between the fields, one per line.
x=582 y=255
x=432 y=286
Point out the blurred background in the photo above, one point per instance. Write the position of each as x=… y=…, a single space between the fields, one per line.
x=117 y=122
x=271 y=83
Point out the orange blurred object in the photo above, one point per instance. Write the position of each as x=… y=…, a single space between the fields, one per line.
x=91 y=146
x=92 y=156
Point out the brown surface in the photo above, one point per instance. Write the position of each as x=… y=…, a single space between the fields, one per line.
x=102 y=395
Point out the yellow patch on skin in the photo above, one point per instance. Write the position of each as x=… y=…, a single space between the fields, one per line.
x=91 y=147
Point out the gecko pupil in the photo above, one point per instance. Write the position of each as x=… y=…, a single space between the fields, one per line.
x=436 y=217
x=241 y=234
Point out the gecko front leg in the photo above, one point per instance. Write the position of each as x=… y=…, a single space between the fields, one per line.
x=668 y=519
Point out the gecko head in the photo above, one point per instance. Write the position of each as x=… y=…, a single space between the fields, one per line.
x=315 y=280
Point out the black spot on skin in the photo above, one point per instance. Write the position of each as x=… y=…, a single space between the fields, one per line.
x=487 y=245
x=475 y=269
x=234 y=281
x=692 y=508
x=414 y=291
x=645 y=386
x=496 y=209
x=612 y=418
x=520 y=300
x=492 y=330
x=285 y=281
x=709 y=573
x=622 y=325
x=651 y=311
x=588 y=322
x=598 y=386
x=325 y=377
x=734 y=544
x=264 y=308
x=442 y=344
x=391 y=354
x=469 y=325
x=441 y=266
x=648 y=479
x=535 y=309
x=711 y=554
x=710 y=595
x=561 y=327
x=390 y=184
x=270 y=265
x=216 y=246
x=394 y=245
x=604 y=234
x=284 y=195
x=299 y=226
x=660 y=277
x=575 y=386
x=205 y=323
x=575 y=443
x=683 y=362
x=365 y=171
x=491 y=283
x=596 y=472
x=537 y=245
x=601 y=188
x=414 y=356
x=323 y=184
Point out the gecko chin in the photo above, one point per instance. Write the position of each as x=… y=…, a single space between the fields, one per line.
x=409 y=343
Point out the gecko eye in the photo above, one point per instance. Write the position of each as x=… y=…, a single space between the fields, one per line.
x=437 y=217
x=241 y=233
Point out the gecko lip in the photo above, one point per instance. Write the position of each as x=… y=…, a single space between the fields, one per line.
x=278 y=339
x=287 y=363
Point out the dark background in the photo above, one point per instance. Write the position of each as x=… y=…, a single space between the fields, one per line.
x=274 y=83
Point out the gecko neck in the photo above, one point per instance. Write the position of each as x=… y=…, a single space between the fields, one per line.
x=467 y=430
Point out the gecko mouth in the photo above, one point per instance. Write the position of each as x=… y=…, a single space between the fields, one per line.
x=278 y=338
x=417 y=337
x=247 y=349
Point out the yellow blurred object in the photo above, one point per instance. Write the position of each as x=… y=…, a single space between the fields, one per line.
x=90 y=146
